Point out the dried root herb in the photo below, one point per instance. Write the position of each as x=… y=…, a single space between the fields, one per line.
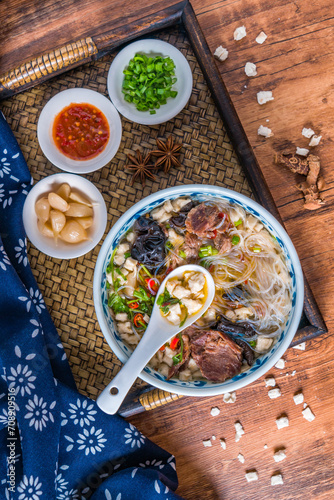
x=294 y=163
x=309 y=167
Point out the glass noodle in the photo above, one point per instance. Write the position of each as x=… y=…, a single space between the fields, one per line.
x=257 y=264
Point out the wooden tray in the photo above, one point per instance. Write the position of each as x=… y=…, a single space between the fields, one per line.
x=216 y=151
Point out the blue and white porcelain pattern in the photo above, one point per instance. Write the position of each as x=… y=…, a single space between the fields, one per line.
x=199 y=192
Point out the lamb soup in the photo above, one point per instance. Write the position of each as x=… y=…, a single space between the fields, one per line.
x=253 y=287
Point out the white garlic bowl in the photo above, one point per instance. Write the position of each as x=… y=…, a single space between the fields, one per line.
x=61 y=249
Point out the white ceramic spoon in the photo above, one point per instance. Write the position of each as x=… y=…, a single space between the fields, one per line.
x=158 y=332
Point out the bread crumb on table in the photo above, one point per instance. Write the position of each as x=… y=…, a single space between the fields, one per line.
x=223 y=443
x=302 y=151
x=230 y=397
x=308 y=414
x=315 y=140
x=220 y=53
x=270 y=382
x=279 y=455
x=280 y=364
x=300 y=346
x=239 y=431
x=307 y=132
x=274 y=393
x=215 y=411
x=262 y=37
x=251 y=476
x=264 y=131
x=250 y=69
x=207 y=443
x=293 y=373
x=298 y=398
x=276 y=479
x=239 y=33
x=282 y=422
x=264 y=96
x=241 y=458
x=265 y=446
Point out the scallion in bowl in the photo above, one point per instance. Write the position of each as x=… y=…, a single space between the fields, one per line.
x=148 y=82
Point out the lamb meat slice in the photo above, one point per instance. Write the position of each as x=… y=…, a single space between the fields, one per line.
x=218 y=357
x=174 y=261
x=242 y=328
x=223 y=243
x=174 y=369
x=191 y=246
x=202 y=220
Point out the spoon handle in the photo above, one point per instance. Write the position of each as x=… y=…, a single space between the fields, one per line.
x=113 y=395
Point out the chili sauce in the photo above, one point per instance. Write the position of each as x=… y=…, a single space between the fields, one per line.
x=81 y=131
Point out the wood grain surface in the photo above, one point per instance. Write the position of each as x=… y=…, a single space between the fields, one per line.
x=296 y=63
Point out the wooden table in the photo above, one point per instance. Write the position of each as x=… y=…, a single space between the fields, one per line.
x=296 y=63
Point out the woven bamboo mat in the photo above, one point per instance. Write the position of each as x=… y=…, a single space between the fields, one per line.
x=207 y=157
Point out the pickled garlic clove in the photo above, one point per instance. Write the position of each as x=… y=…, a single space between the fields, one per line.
x=79 y=199
x=58 y=202
x=45 y=228
x=64 y=191
x=58 y=221
x=42 y=209
x=79 y=210
x=73 y=232
x=85 y=222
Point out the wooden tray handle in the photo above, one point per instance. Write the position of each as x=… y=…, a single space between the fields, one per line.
x=157 y=397
x=48 y=63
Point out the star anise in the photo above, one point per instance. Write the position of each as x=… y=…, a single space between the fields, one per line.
x=167 y=154
x=140 y=167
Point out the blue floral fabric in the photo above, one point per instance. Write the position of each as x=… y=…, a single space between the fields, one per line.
x=54 y=442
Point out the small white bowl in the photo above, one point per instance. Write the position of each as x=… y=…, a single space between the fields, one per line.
x=183 y=85
x=61 y=249
x=55 y=106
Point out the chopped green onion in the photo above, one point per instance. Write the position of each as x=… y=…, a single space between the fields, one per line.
x=179 y=357
x=117 y=303
x=141 y=294
x=169 y=245
x=127 y=255
x=184 y=319
x=252 y=343
x=110 y=267
x=118 y=271
x=256 y=249
x=235 y=239
x=146 y=270
x=148 y=82
x=182 y=254
x=207 y=251
x=238 y=222
x=167 y=226
x=107 y=285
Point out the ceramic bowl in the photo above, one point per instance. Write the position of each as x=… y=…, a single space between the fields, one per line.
x=200 y=387
x=183 y=85
x=45 y=124
x=61 y=249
